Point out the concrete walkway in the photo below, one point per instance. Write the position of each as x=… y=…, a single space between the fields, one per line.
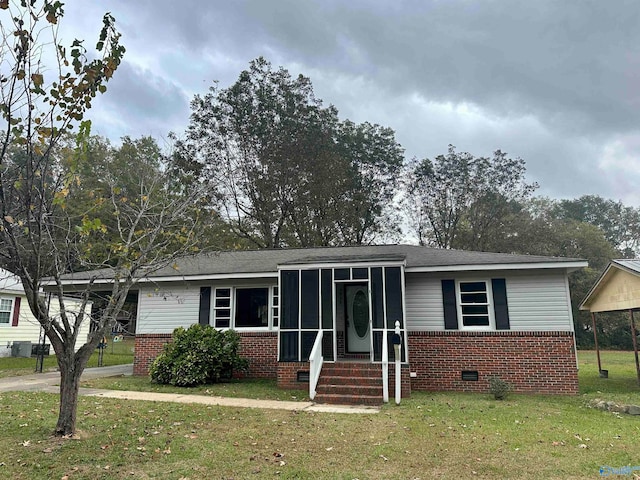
x=48 y=382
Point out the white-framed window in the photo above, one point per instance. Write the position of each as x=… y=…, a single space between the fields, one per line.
x=275 y=306
x=6 y=308
x=222 y=308
x=246 y=308
x=475 y=310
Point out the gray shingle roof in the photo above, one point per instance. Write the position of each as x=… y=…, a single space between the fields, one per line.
x=266 y=261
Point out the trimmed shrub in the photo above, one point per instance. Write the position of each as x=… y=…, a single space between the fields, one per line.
x=198 y=355
x=498 y=387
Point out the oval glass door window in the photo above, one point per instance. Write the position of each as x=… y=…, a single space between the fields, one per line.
x=361 y=313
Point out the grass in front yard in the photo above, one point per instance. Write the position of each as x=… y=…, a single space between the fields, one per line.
x=116 y=353
x=431 y=435
x=622 y=384
x=439 y=435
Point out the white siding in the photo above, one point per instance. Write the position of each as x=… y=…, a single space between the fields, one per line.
x=537 y=300
x=28 y=328
x=424 y=302
x=162 y=310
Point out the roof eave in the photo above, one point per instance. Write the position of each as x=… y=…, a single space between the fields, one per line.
x=569 y=266
x=172 y=278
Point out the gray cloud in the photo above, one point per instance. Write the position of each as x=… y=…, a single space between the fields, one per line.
x=555 y=83
x=138 y=103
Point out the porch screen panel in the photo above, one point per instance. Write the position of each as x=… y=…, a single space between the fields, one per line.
x=360 y=273
x=377 y=346
x=393 y=294
x=377 y=297
x=308 y=339
x=289 y=346
x=289 y=299
x=342 y=274
x=327 y=345
x=327 y=298
x=310 y=301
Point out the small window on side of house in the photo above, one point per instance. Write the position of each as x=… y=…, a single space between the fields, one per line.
x=275 y=306
x=6 y=305
x=222 y=308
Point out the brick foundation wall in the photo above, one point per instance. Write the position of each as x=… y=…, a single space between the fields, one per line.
x=405 y=381
x=147 y=348
x=260 y=348
x=532 y=362
x=288 y=375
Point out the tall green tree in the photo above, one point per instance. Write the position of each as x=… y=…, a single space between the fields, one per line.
x=620 y=223
x=462 y=201
x=282 y=169
x=43 y=232
x=566 y=228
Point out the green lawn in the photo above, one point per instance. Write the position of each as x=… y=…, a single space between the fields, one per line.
x=430 y=435
x=116 y=353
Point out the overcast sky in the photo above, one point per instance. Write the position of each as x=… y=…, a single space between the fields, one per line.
x=554 y=83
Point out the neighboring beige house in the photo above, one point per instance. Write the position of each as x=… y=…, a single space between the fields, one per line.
x=617 y=290
x=17 y=323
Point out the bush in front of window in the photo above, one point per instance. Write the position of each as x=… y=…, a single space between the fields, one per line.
x=199 y=355
x=498 y=387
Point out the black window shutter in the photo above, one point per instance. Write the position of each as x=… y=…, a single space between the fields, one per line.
x=205 y=305
x=499 y=287
x=449 y=303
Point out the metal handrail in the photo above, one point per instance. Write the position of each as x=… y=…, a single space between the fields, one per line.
x=315 y=365
x=385 y=367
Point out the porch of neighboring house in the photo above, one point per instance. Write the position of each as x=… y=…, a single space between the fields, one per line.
x=337 y=326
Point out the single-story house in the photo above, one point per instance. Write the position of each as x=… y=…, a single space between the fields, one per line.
x=17 y=323
x=463 y=316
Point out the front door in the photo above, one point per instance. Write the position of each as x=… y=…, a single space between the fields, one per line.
x=357 y=318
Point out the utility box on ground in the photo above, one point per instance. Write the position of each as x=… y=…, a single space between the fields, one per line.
x=21 y=349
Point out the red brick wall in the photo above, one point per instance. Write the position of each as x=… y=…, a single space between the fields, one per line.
x=288 y=375
x=147 y=348
x=532 y=362
x=405 y=381
x=260 y=348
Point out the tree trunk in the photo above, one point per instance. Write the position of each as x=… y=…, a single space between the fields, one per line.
x=69 y=386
